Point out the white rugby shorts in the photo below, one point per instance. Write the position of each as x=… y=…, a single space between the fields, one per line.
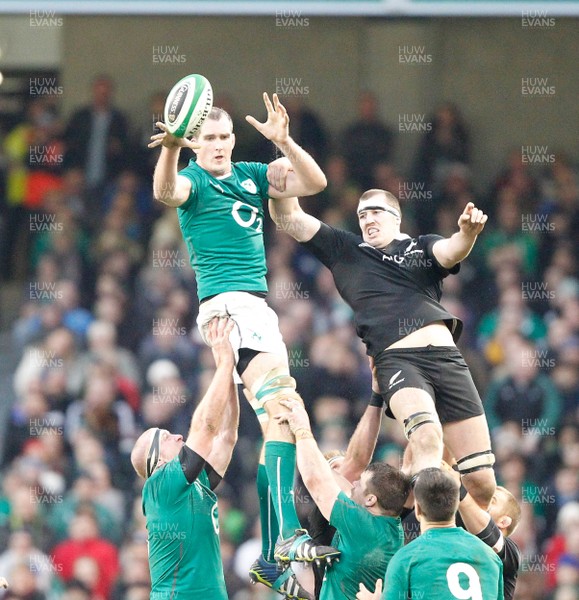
x=256 y=324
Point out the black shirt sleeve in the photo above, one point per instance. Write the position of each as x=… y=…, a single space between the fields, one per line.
x=191 y=463
x=511 y=557
x=427 y=241
x=327 y=244
x=507 y=551
x=213 y=476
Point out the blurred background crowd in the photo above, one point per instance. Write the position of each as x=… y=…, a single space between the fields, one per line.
x=107 y=345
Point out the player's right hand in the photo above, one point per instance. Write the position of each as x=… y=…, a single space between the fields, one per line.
x=366 y=594
x=277 y=173
x=296 y=416
x=169 y=140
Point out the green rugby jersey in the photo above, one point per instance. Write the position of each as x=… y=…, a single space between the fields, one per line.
x=183 y=535
x=445 y=564
x=222 y=223
x=367 y=542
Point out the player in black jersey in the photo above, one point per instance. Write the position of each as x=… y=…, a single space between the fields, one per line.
x=393 y=283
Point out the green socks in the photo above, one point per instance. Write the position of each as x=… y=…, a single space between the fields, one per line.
x=280 y=461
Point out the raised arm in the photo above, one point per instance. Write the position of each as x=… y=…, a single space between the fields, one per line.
x=288 y=216
x=457 y=247
x=306 y=178
x=313 y=467
x=207 y=421
x=168 y=186
x=363 y=443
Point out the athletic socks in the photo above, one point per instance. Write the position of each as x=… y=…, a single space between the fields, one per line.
x=267 y=516
x=280 y=460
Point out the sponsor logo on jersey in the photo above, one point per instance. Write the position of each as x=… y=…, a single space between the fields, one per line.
x=250 y=186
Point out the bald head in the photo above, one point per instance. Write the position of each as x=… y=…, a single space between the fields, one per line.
x=140 y=451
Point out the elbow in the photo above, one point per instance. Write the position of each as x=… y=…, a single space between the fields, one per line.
x=320 y=183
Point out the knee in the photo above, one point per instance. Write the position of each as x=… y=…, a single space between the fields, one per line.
x=427 y=439
x=481 y=486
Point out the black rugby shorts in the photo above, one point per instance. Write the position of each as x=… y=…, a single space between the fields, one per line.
x=439 y=370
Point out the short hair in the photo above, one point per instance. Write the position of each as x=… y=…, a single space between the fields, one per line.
x=390 y=486
x=511 y=508
x=389 y=198
x=437 y=494
x=216 y=113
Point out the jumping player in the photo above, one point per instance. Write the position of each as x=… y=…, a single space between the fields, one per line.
x=393 y=283
x=220 y=210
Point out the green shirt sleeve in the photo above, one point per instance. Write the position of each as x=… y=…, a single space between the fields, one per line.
x=192 y=175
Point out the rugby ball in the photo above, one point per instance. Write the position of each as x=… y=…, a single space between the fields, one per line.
x=188 y=105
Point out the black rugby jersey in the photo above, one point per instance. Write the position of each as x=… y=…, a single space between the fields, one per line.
x=392 y=292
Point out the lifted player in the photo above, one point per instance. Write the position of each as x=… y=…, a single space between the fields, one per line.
x=220 y=210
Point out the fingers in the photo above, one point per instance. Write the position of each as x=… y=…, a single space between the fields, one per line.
x=253 y=121
x=191 y=144
x=219 y=329
x=282 y=417
x=267 y=102
x=378 y=587
x=363 y=593
x=473 y=218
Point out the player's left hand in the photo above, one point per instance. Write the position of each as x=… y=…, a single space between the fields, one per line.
x=366 y=594
x=218 y=332
x=472 y=220
x=296 y=417
x=276 y=128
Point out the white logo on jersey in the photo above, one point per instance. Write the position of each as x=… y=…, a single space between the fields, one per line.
x=249 y=186
x=394 y=380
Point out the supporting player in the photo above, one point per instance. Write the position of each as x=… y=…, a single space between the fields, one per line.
x=368 y=527
x=445 y=562
x=178 y=499
x=393 y=283
x=220 y=210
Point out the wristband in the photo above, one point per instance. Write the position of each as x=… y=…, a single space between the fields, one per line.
x=376 y=399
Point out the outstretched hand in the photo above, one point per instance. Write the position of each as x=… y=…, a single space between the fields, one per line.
x=276 y=128
x=218 y=332
x=472 y=220
x=169 y=140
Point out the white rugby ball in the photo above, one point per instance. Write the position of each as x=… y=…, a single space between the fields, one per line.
x=187 y=105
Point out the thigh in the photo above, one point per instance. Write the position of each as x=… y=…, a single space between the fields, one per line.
x=467 y=437
x=403 y=384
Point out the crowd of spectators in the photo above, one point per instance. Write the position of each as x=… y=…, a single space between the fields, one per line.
x=107 y=343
